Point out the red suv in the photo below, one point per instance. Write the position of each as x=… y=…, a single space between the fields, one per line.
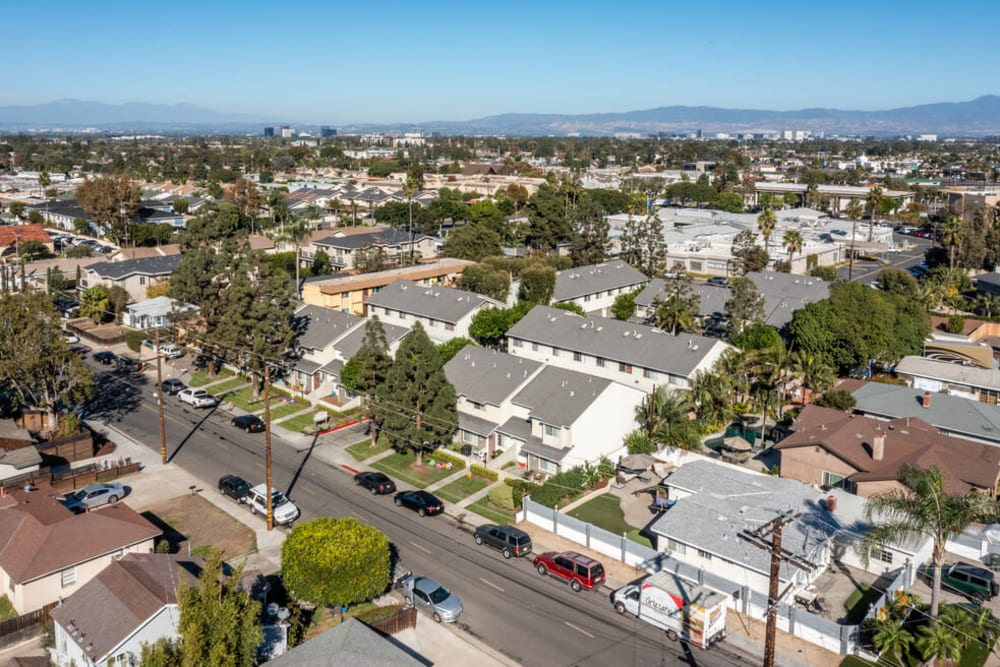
x=579 y=570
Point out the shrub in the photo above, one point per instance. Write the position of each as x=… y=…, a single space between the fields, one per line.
x=502 y=496
x=448 y=458
x=484 y=472
x=134 y=339
x=955 y=324
x=521 y=488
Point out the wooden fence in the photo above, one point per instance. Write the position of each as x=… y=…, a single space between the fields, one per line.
x=402 y=620
x=25 y=621
x=69 y=480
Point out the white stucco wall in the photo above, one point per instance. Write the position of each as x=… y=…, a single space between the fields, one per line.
x=600 y=430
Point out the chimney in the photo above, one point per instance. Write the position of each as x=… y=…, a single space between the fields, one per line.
x=878 y=447
x=925 y=400
x=831 y=503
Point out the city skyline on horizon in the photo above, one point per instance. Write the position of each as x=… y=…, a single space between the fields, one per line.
x=397 y=64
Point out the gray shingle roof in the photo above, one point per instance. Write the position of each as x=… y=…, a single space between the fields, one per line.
x=636 y=344
x=349 y=345
x=322 y=326
x=583 y=280
x=476 y=425
x=350 y=643
x=538 y=448
x=516 y=427
x=147 y=266
x=488 y=376
x=558 y=397
x=444 y=304
x=382 y=237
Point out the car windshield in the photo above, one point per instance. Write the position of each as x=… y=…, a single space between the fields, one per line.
x=277 y=499
x=440 y=595
x=78 y=495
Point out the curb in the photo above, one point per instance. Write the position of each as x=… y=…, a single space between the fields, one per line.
x=342 y=426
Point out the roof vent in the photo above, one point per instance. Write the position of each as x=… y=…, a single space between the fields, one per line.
x=627 y=333
x=599 y=329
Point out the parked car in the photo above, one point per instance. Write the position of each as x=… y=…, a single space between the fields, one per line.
x=428 y=595
x=125 y=364
x=173 y=386
x=248 y=423
x=94 y=495
x=376 y=482
x=70 y=337
x=105 y=358
x=283 y=509
x=422 y=502
x=579 y=570
x=197 y=397
x=506 y=539
x=235 y=487
x=718 y=280
x=171 y=351
x=977 y=583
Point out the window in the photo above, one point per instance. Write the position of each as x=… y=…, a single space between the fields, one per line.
x=586 y=297
x=555 y=351
x=551 y=431
x=68 y=577
x=142 y=280
x=833 y=479
x=534 y=347
x=402 y=316
x=676 y=547
x=600 y=362
x=449 y=326
x=624 y=368
x=577 y=356
x=648 y=374
x=548 y=467
x=704 y=554
x=515 y=342
x=345 y=295
x=885 y=556
x=477 y=406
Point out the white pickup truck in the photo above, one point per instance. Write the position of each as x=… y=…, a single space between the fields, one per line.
x=684 y=610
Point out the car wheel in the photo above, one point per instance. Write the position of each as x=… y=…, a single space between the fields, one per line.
x=373 y=490
x=479 y=540
x=357 y=482
x=575 y=585
x=246 y=430
x=671 y=635
x=506 y=553
x=112 y=500
x=422 y=512
x=437 y=617
x=253 y=508
x=542 y=571
x=620 y=607
x=399 y=503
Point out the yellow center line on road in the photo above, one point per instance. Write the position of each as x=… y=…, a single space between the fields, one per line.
x=424 y=549
x=491 y=584
x=579 y=629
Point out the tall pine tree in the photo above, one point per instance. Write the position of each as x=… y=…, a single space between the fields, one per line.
x=371 y=366
x=417 y=403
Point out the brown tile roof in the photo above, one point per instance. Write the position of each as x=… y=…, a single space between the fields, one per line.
x=416 y=273
x=122 y=598
x=17 y=234
x=965 y=464
x=39 y=536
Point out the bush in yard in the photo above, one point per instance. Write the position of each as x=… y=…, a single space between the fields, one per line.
x=521 y=488
x=134 y=339
x=335 y=561
x=448 y=458
x=502 y=496
x=484 y=472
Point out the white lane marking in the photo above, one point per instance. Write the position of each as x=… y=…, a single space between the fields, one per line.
x=579 y=629
x=491 y=584
x=424 y=549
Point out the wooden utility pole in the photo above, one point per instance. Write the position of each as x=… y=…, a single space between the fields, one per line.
x=768 y=537
x=267 y=445
x=159 y=400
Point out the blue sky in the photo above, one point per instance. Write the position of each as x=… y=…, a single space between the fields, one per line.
x=334 y=63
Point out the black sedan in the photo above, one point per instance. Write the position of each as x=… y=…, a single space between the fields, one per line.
x=376 y=482
x=421 y=502
x=106 y=358
x=172 y=386
x=235 y=487
x=248 y=423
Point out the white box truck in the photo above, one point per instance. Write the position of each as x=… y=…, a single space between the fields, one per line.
x=684 y=610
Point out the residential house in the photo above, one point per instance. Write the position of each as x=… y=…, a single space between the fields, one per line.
x=966 y=381
x=17 y=450
x=154 y=313
x=563 y=418
x=135 y=275
x=348 y=292
x=342 y=246
x=349 y=643
x=484 y=406
x=319 y=329
x=62 y=213
x=444 y=312
x=345 y=347
x=12 y=237
x=636 y=355
x=716 y=502
x=124 y=254
x=865 y=455
x=952 y=415
x=47 y=552
x=131 y=602
x=595 y=288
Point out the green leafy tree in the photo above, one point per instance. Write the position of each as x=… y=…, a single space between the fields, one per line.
x=922 y=508
x=110 y=200
x=37 y=364
x=747 y=254
x=838 y=399
x=219 y=622
x=371 y=365
x=332 y=562
x=589 y=242
x=538 y=282
x=940 y=643
x=897 y=281
x=472 y=241
x=452 y=347
x=418 y=404
x=624 y=305
x=663 y=417
x=295 y=232
x=729 y=201
x=245 y=196
x=710 y=394
x=744 y=306
x=118 y=299
x=95 y=303
x=639 y=442
x=56 y=283
x=678 y=309
x=643 y=245
x=571 y=307
x=370 y=259
x=486 y=279
x=321 y=265
x=29 y=251
x=548 y=218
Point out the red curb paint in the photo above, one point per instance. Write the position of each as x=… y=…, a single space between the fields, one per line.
x=342 y=426
x=349 y=468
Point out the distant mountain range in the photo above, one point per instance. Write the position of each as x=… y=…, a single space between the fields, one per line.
x=977 y=117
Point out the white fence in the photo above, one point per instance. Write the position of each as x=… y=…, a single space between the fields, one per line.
x=832 y=636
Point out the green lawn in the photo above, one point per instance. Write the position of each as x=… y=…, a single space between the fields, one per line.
x=362 y=451
x=636 y=536
x=462 y=487
x=855 y=661
x=282 y=410
x=221 y=388
x=604 y=511
x=242 y=399
x=483 y=507
x=974 y=655
x=201 y=378
x=857 y=603
x=6 y=609
x=400 y=467
x=301 y=422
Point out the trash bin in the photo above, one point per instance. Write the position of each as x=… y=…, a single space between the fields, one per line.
x=466 y=450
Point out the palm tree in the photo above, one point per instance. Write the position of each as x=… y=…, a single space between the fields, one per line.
x=854 y=211
x=989 y=304
x=952 y=235
x=295 y=232
x=674 y=314
x=891 y=638
x=922 y=509
x=874 y=202
x=710 y=394
x=814 y=373
x=938 y=642
x=663 y=416
x=792 y=240
x=765 y=223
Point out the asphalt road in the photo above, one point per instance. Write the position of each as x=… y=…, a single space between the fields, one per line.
x=865 y=271
x=531 y=619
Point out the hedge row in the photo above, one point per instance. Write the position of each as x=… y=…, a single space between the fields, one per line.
x=484 y=472
x=440 y=455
